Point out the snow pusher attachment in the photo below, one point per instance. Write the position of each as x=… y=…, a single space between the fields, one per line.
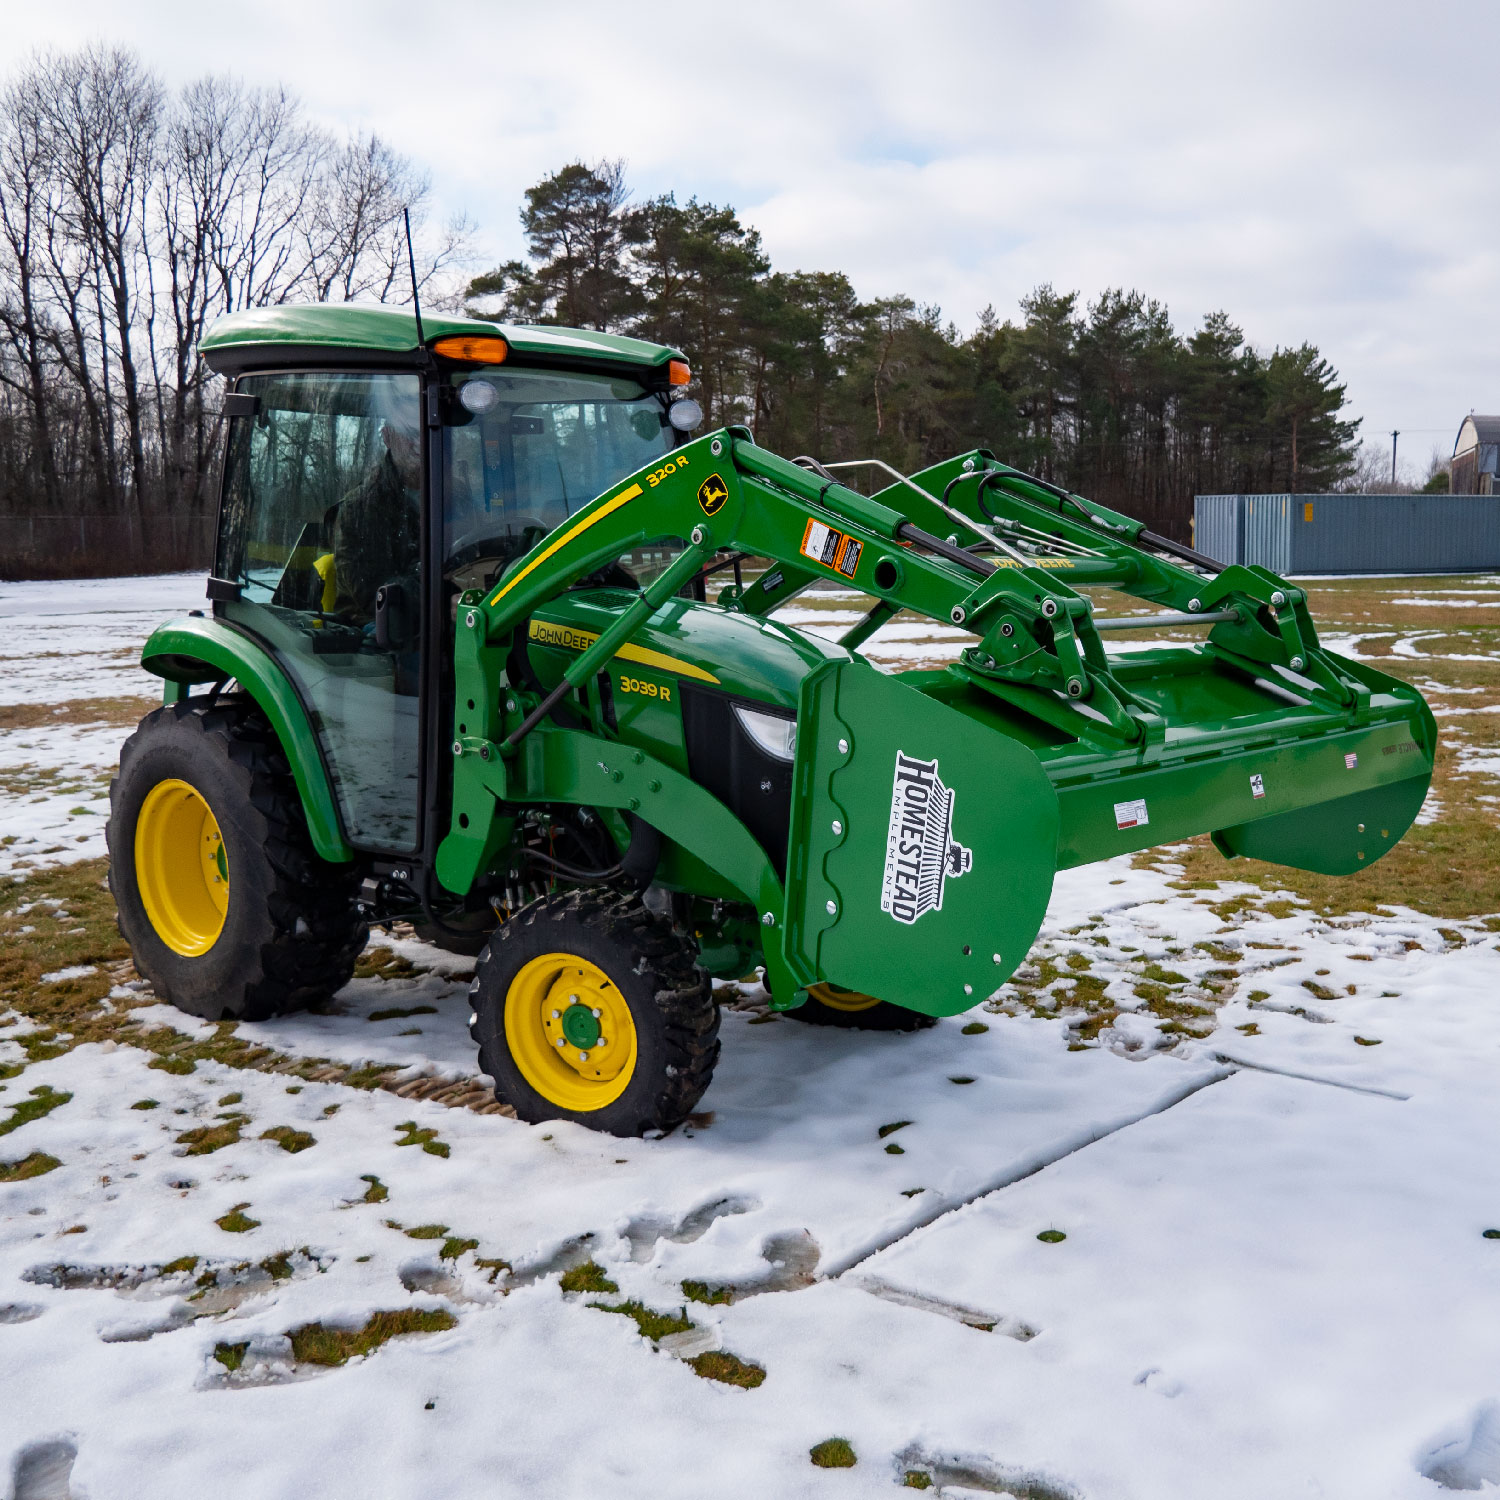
x=929 y=810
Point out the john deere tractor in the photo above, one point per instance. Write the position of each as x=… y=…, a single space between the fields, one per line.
x=461 y=667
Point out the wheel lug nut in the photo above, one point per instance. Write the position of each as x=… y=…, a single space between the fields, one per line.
x=596 y=1012
x=556 y=1014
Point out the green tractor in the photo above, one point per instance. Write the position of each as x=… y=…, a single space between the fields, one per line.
x=461 y=668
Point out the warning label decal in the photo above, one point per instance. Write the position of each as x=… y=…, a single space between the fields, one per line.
x=830 y=548
x=1131 y=814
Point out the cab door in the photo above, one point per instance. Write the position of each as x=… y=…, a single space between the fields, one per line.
x=319 y=557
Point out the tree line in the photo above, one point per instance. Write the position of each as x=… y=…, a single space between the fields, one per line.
x=130 y=218
x=133 y=215
x=1104 y=396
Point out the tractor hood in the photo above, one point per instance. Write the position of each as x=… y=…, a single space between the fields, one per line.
x=736 y=654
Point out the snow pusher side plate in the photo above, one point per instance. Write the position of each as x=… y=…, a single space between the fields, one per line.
x=923 y=844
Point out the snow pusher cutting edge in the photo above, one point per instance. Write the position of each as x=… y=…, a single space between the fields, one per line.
x=930 y=809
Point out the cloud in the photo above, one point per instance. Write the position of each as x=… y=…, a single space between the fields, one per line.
x=1322 y=172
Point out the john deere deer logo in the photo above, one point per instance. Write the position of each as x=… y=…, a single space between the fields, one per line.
x=712 y=494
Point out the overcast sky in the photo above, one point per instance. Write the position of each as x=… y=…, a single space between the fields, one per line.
x=1323 y=172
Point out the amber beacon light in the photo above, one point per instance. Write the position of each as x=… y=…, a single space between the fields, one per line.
x=473 y=349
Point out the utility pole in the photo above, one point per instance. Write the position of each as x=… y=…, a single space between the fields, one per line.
x=1394 y=436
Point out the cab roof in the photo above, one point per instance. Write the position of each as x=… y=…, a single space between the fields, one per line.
x=370 y=331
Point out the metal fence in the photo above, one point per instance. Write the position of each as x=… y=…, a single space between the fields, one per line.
x=93 y=546
x=1351 y=533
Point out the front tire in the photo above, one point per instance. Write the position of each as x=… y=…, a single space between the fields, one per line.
x=587 y=1007
x=228 y=911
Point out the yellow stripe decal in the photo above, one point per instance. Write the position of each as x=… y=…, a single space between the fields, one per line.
x=607 y=508
x=569 y=639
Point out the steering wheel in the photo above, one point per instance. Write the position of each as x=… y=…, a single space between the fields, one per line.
x=473 y=545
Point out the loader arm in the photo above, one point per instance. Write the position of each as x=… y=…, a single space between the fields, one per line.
x=1054 y=751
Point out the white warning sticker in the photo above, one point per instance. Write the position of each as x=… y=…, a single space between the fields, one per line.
x=1257 y=785
x=821 y=543
x=1131 y=814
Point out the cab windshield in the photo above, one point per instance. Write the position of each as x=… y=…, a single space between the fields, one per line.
x=530 y=448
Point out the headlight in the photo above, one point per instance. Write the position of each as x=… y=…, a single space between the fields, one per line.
x=775 y=736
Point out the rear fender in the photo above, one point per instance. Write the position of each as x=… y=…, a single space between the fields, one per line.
x=192 y=650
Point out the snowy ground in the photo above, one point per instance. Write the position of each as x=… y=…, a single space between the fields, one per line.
x=1256 y=1130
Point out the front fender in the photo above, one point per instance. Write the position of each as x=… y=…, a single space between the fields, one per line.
x=204 y=650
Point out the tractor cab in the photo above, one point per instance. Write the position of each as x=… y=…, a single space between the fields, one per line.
x=362 y=496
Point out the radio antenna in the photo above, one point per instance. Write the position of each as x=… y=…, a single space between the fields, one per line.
x=411 y=263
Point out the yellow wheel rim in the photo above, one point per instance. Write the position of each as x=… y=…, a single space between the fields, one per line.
x=570 y=1032
x=836 y=999
x=181 y=867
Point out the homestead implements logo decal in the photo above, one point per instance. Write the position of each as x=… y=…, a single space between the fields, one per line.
x=712 y=494
x=920 y=850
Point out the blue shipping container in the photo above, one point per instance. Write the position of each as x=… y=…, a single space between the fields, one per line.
x=1302 y=534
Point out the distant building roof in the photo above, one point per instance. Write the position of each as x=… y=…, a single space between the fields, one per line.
x=1474 y=432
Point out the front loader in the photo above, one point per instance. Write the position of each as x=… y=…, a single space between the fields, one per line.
x=463 y=669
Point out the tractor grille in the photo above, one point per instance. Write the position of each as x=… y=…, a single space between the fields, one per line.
x=724 y=760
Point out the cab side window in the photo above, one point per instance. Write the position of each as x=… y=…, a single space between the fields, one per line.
x=321 y=528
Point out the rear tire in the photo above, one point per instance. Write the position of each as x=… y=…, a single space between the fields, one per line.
x=828 y=1005
x=206 y=792
x=594 y=972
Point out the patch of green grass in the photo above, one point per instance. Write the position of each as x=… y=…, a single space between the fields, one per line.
x=494 y=1267
x=43 y=1101
x=209 y=1138
x=1491 y=1234
x=289 y=1139
x=426 y=1232
x=28 y=1167
x=377 y=1192
x=173 y=1064
x=892 y=1128
x=229 y=1099
x=974 y=1028
x=961 y=1079
x=1368 y=1041
x=237 y=1221
x=894 y=1150
x=145 y=1104
x=182 y=1263
x=589 y=1277
x=278 y=1267
x=833 y=1453
x=727 y=1369
x=455 y=1245
x=426 y=1139
x=382 y=963
x=400 y=1013
x=653 y=1325
x=1052 y=1236
x=314 y=1344
x=231 y=1356
x=915 y=1479
x=701 y=1291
